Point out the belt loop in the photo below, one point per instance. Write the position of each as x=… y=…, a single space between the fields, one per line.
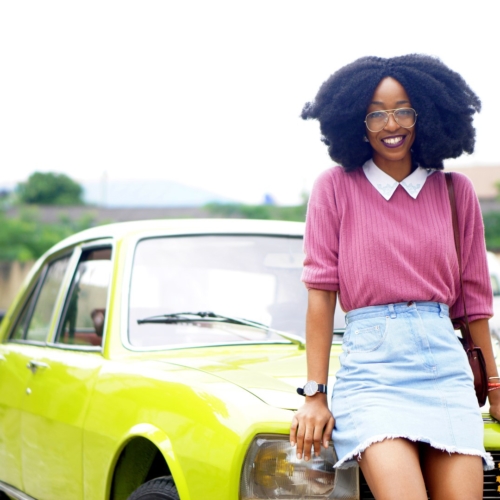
x=392 y=311
x=441 y=310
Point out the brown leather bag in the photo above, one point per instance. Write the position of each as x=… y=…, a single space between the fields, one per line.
x=474 y=353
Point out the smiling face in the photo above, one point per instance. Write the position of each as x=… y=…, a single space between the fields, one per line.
x=391 y=145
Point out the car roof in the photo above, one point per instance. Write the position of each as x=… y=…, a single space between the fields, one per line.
x=184 y=226
x=493 y=263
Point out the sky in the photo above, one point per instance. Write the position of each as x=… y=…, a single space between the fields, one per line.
x=209 y=93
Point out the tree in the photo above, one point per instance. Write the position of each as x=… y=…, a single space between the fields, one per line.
x=25 y=237
x=241 y=211
x=50 y=189
x=492 y=230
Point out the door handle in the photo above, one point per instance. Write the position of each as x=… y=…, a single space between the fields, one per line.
x=35 y=365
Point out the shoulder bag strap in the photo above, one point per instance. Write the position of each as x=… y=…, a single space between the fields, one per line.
x=453 y=204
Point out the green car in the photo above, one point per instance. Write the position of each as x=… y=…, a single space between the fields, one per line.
x=160 y=360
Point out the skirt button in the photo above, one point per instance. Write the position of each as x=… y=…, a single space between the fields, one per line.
x=410 y=303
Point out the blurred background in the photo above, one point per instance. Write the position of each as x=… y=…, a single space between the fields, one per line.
x=114 y=111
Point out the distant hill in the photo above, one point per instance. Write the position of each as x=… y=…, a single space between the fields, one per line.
x=148 y=193
x=141 y=194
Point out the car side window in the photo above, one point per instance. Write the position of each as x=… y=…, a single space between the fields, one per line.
x=34 y=322
x=85 y=311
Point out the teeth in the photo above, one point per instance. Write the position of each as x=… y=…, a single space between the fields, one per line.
x=393 y=140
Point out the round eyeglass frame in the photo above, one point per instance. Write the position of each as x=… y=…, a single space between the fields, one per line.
x=389 y=112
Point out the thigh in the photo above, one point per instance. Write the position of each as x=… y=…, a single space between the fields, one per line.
x=452 y=476
x=392 y=470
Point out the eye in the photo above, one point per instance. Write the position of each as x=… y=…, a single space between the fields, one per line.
x=405 y=112
x=377 y=115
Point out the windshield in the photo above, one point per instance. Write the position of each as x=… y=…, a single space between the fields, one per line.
x=251 y=277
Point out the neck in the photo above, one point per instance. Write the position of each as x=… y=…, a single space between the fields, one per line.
x=398 y=170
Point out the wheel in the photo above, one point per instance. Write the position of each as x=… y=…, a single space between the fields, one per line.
x=161 y=488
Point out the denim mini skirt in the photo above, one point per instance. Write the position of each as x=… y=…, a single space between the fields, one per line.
x=404 y=374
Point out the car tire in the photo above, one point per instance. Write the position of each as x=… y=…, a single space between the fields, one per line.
x=161 y=488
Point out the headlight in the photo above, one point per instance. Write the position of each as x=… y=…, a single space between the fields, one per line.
x=272 y=470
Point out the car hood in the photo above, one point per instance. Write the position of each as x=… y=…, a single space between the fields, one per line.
x=270 y=372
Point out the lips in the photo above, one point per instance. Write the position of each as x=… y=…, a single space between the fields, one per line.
x=394 y=141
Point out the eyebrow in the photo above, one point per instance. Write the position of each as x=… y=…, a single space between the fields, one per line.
x=382 y=104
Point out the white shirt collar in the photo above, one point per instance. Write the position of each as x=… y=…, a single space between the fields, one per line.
x=386 y=185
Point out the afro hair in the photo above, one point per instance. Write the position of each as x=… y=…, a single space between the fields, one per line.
x=444 y=102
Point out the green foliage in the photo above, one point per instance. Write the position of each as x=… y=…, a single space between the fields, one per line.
x=241 y=211
x=492 y=230
x=298 y=213
x=50 y=189
x=26 y=238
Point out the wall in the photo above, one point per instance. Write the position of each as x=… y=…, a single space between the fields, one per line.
x=12 y=275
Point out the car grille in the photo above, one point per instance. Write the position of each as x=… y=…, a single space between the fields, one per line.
x=491 y=488
x=492 y=479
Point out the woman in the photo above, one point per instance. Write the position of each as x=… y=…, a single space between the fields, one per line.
x=379 y=240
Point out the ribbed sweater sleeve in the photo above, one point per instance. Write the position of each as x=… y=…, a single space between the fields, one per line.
x=477 y=284
x=321 y=240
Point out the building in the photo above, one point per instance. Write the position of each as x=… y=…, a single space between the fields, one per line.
x=485 y=179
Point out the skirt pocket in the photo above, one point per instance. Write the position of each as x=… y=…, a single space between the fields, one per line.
x=365 y=335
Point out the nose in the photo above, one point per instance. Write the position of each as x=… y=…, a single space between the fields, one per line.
x=392 y=124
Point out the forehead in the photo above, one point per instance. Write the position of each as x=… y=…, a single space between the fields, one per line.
x=390 y=91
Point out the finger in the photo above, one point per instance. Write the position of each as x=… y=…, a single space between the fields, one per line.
x=308 y=441
x=293 y=430
x=300 y=440
x=317 y=436
x=327 y=435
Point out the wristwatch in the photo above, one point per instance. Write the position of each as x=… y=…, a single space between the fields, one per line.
x=311 y=388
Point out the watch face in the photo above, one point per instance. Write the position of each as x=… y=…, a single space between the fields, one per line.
x=311 y=388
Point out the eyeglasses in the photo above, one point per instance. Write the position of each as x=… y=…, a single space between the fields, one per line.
x=405 y=117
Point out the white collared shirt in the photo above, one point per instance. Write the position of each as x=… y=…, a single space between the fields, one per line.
x=386 y=185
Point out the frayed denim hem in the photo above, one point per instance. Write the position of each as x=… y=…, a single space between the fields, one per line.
x=350 y=460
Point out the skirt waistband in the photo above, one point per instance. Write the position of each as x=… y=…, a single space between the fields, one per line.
x=393 y=310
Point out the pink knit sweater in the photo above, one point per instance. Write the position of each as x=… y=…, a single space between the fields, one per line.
x=376 y=251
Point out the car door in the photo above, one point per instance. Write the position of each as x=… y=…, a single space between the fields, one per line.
x=61 y=382
x=26 y=339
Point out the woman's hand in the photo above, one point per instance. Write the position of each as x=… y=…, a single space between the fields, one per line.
x=313 y=422
x=312 y=425
x=494 y=399
x=480 y=332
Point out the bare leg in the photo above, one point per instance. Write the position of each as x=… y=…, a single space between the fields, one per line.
x=392 y=470
x=452 y=476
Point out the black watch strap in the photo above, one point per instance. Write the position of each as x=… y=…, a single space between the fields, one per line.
x=321 y=388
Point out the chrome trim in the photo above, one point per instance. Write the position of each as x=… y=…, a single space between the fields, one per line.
x=76 y=347
x=33 y=365
x=197 y=346
x=28 y=342
x=114 y=261
x=14 y=492
x=488 y=419
x=132 y=243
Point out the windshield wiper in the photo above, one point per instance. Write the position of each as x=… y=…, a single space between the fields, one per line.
x=208 y=316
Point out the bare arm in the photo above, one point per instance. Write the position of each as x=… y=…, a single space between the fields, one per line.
x=313 y=423
x=480 y=332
